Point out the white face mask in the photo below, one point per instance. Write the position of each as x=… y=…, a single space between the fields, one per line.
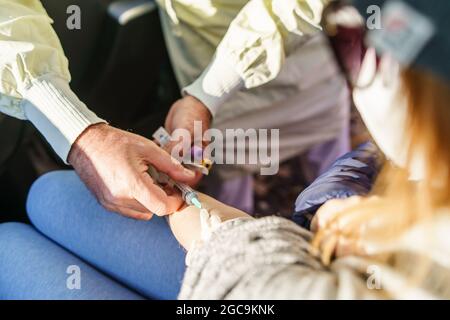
x=384 y=110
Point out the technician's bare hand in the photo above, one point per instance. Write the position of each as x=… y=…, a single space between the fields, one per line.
x=113 y=163
x=183 y=114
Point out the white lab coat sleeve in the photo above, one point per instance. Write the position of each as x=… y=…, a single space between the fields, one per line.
x=34 y=76
x=254 y=47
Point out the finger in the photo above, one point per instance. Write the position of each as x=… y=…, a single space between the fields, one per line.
x=150 y=195
x=174 y=200
x=130 y=213
x=134 y=205
x=332 y=208
x=196 y=180
x=314 y=226
x=169 y=165
x=169 y=147
x=127 y=212
x=123 y=202
x=326 y=212
x=174 y=203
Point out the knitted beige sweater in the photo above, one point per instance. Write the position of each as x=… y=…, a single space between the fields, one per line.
x=269 y=258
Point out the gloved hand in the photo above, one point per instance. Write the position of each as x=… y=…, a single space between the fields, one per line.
x=352 y=174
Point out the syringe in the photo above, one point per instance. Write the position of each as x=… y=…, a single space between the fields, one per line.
x=188 y=194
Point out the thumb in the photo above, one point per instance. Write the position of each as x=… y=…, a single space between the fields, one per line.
x=164 y=162
x=151 y=196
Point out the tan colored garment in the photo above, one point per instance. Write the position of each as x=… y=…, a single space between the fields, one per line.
x=270 y=258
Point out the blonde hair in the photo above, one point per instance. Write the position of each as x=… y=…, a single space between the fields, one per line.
x=400 y=204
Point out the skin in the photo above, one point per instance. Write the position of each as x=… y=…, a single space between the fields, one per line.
x=113 y=164
x=123 y=185
x=182 y=115
x=184 y=112
x=185 y=223
x=333 y=209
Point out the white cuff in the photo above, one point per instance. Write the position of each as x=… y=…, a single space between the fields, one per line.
x=57 y=113
x=216 y=84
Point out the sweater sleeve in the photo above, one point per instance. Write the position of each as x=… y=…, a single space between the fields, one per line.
x=34 y=76
x=266 y=258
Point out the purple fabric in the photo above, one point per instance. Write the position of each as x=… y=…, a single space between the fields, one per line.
x=322 y=156
x=352 y=174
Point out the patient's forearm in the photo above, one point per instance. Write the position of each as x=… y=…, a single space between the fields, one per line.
x=185 y=223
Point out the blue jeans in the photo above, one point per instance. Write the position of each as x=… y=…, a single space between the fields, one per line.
x=118 y=258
